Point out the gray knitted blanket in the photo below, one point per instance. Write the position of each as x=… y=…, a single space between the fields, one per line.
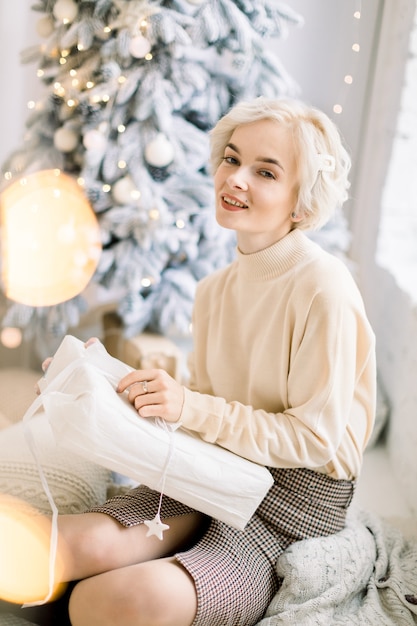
x=366 y=575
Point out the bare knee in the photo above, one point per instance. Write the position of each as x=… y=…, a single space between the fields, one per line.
x=91 y=606
x=158 y=593
x=86 y=544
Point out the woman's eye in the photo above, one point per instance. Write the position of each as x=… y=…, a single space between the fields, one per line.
x=230 y=159
x=267 y=174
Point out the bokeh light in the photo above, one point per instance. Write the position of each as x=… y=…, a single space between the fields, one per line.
x=50 y=239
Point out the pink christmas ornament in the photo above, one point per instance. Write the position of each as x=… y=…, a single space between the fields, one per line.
x=65 y=139
x=94 y=140
x=139 y=47
x=124 y=190
x=65 y=11
x=45 y=26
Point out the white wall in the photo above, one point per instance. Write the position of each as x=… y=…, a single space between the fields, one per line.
x=392 y=311
x=319 y=55
x=19 y=83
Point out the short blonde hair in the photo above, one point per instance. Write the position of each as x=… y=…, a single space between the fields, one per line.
x=321 y=189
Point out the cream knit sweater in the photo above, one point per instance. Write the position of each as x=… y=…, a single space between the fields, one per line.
x=283 y=371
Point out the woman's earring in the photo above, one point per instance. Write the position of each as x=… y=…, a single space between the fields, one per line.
x=293 y=215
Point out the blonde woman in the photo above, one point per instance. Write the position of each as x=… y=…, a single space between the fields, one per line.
x=282 y=373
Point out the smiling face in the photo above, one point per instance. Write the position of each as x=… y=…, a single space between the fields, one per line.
x=256 y=184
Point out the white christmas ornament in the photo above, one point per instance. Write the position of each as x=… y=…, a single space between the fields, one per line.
x=159 y=152
x=155 y=527
x=124 y=190
x=65 y=139
x=139 y=47
x=94 y=140
x=65 y=11
x=45 y=26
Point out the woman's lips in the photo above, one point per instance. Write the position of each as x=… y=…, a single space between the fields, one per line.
x=229 y=203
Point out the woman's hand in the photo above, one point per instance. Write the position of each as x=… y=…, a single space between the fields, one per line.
x=154 y=393
x=47 y=362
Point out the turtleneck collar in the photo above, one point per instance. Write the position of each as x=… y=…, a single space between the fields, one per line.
x=276 y=259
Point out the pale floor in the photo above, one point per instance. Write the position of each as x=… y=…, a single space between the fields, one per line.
x=378 y=491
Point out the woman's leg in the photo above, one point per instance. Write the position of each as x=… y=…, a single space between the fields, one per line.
x=93 y=543
x=155 y=593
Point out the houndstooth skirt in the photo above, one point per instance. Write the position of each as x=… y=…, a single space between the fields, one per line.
x=234 y=570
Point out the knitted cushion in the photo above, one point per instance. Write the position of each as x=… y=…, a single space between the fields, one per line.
x=75 y=483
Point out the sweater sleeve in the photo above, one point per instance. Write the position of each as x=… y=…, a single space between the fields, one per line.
x=327 y=415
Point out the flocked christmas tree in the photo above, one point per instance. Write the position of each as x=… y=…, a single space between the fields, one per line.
x=132 y=89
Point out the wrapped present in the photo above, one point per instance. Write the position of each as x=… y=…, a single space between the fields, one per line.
x=90 y=418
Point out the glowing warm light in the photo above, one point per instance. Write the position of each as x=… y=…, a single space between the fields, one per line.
x=11 y=337
x=50 y=239
x=24 y=554
x=348 y=78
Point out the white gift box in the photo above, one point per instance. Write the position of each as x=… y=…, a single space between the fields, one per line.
x=89 y=418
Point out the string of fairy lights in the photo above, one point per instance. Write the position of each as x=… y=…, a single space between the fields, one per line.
x=349 y=76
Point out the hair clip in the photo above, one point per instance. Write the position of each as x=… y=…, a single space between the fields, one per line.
x=326 y=163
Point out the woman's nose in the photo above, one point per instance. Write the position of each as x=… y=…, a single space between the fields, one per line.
x=238 y=180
